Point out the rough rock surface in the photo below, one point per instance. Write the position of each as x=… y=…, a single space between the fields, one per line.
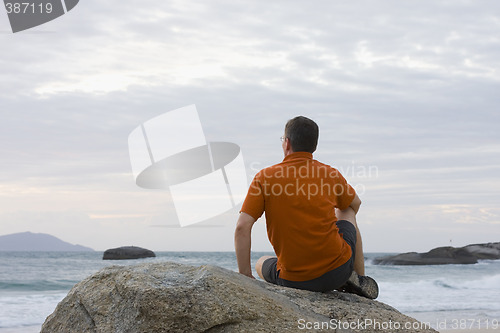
x=484 y=251
x=444 y=255
x=127 y=252
x=169 y=297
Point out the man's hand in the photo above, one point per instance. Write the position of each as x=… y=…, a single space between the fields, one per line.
x=350 y=212
x=242 y=243
x=249 y=274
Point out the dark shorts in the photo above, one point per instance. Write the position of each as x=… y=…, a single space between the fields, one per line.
x=331 y=280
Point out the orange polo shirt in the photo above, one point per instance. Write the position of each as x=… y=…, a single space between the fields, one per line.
x=299 y=197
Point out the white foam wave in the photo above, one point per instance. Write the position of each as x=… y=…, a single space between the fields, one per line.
x=27 y=310
x=442 y=294
x=486 y=283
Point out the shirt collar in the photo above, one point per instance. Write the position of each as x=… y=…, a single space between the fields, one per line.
x=298 y=155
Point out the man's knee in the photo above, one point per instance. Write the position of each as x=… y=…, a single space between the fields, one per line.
x=258 y=265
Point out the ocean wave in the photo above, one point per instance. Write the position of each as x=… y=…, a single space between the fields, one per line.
x=443 y=284
x=37 y=285
x=27 y=310
x=442 y=294
x=486 y=283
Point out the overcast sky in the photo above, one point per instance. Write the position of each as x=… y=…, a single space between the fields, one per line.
x=406 y=94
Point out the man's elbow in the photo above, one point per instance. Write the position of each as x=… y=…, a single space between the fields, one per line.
x=244 y=225
x=359 y=202
x=240 y=229
x=356 y=203
x=242 y=234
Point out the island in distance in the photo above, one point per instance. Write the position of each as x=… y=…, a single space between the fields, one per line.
x=469 y=254
x=28 y=241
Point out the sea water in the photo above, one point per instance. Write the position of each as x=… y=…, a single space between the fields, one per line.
x=444 y=296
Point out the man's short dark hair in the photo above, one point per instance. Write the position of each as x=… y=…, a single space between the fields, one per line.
x=303 y=134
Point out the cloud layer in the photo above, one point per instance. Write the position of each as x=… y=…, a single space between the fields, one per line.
x=410 y=88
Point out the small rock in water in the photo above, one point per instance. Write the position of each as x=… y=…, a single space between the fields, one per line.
x=127 y=252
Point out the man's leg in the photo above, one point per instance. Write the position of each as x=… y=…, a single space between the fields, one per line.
x=348 y=214
x=358 y=282
x=258 y=265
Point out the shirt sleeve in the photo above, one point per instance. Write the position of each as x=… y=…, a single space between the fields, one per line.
x=344 y=192
x=254 y=201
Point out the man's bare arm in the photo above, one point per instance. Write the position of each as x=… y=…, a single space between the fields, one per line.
x=242 y=243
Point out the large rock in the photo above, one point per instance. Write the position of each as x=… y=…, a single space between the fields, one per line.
x=444 y=255
x=127 y=252
x=484 y=251
x=169 y=297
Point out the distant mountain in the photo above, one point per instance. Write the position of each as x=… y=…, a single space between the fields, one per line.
x=28 y=241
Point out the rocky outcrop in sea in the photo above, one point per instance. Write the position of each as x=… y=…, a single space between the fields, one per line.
x=127 y=252
x=469 y=254
x=170 y=297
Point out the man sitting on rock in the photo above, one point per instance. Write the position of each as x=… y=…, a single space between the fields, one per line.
x=310 y=214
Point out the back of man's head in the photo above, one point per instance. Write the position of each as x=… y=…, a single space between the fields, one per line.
x=303 y=134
